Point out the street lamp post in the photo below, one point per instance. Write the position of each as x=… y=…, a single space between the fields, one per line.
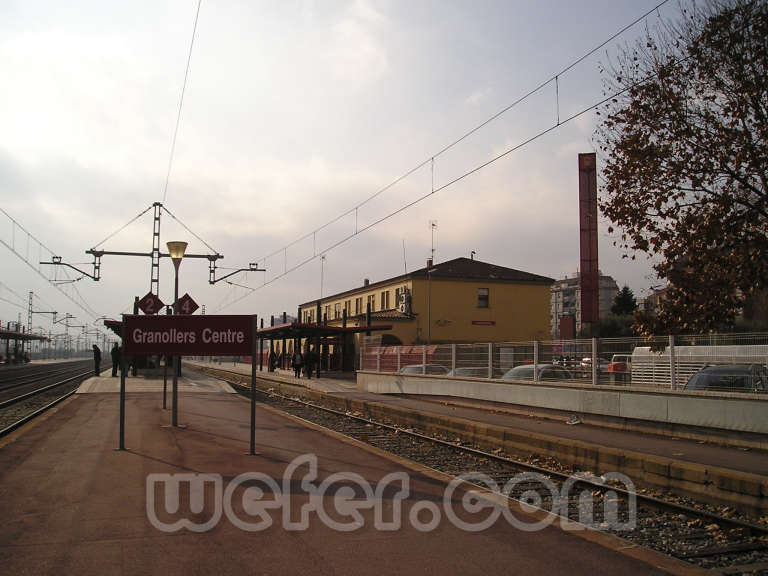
x=322 y=267
x=176 y=252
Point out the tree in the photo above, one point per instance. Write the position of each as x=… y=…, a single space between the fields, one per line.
x=685 y=161
x=624 y=303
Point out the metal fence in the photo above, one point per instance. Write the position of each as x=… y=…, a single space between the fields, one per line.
x=729 y=362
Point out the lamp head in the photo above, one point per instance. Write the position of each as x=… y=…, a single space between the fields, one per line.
x=176 y=250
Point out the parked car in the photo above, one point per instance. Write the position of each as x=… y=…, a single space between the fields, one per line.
x=424 y=369
x=602 y=364
x=730 y=378
x=475 y=372
x=544 y=372
x=620 y=363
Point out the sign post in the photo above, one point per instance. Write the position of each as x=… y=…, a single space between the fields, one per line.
x=181 y=335
x=254 y=346
x=122 y=394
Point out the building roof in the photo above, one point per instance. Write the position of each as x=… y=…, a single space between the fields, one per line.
x=456 y=269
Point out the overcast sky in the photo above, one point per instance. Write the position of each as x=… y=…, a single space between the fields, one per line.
x=294 y=113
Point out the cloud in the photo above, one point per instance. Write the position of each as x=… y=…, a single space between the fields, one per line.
x=478 y=96
x=355 y=55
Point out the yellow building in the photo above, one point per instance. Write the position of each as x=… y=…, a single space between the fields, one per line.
x=461 y=300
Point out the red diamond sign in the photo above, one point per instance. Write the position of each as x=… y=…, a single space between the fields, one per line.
x=150 y=304
x=187 y=306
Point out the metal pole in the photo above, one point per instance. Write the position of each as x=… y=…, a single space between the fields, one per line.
x=254 y=345
x=490 y=359
x=122 y=396
x=535 y=360
x=283 y=350
x=175 y=388
x=594 y=362
x=429 y=303
x=672 y=370
x=261 y=349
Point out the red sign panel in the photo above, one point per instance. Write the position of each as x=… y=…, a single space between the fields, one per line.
x=188 y=335
x=187 y=306
x=150 y=304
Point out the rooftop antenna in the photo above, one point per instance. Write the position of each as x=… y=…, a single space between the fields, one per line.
x=433 y=226
x=405 y=264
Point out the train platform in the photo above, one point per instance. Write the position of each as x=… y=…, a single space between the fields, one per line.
x=696 y=467
x=71 y=503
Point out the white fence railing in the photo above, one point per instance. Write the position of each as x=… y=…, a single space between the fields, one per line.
x=669 y=362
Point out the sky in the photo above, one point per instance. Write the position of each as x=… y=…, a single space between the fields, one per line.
x=294 y=114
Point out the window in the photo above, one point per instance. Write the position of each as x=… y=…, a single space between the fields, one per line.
x=336 y=310
x=385 y=300
x=482 y=298
x=358 y=305
x=372 y=302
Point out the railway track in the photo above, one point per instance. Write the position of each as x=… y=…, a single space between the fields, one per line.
x=25 y=394
x=724 y=542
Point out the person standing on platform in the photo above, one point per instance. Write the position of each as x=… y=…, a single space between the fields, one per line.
x=115 y=359
x=309 y=362
x=297 y=361
x=97 y=359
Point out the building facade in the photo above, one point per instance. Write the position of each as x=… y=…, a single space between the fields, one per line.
x=565 y=303
x=461 y=300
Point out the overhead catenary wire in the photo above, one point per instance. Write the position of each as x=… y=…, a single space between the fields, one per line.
x=558 y=124
x=83 y=305
x=431 y=159
x=190 y=231
x=181 y=102
x=12 y=303
x=116 y=232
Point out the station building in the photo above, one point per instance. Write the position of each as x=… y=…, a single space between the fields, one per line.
x=460 y=300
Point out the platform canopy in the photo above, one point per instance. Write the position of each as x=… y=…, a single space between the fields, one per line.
x=300 y=330
x=114 y=325
x=288 y=331
x=14 y=335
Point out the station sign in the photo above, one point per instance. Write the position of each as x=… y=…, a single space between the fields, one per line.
x=150 y=304
x=188 y=335
x=187 y=306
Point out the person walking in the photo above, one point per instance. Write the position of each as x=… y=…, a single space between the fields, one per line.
x=97 y=359
x=115 y=359
x=309 y=362
x=297 y=361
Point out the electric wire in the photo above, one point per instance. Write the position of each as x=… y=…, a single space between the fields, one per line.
x=83 y=305
x=181 y=102
x=466 y=135
x=12 y=303
x=559 y=124
x=116 y=232
x=190 y=231
x=12 y=291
